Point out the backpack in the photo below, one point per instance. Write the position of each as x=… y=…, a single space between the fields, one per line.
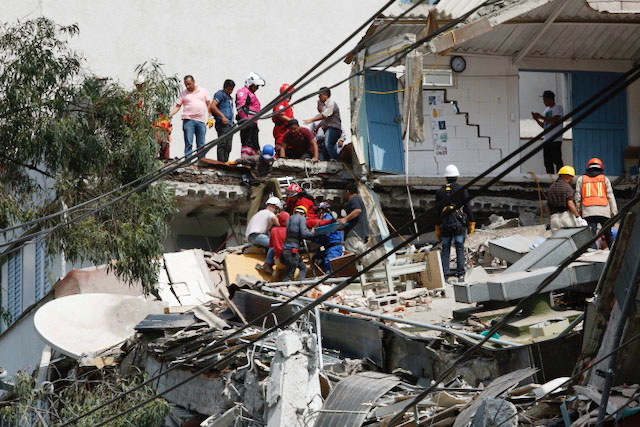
x=454 y=221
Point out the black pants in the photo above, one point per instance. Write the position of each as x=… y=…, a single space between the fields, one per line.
x=249 y=137
x=224 y=146
x=552 y=152
x=292 y=261
x=593 y=222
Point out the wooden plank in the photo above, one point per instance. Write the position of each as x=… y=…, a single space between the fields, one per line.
x=342 y=260
x=243 y=264
x=189 y=276
x=433 y=277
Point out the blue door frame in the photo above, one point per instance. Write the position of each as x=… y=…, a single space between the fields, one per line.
x=384 y=132
x=604 y=133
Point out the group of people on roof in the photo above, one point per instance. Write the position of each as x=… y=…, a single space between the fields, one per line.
x=324 y=139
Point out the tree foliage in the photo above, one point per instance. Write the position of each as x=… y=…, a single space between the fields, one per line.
x=34 y=405
x=69 y=136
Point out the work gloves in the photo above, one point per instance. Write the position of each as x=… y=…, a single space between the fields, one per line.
x=472 y=228
x=230 y=163
x=210 y=122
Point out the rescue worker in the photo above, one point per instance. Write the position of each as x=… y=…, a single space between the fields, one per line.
x=276 y=241
x=297 y=196
x=454 y=222
x=332 y=242
x=594 y=198
x=261 y=183
x=562 y=209
x=297 y=231
x=260 y=224
x=281 y=120
x=247 y=105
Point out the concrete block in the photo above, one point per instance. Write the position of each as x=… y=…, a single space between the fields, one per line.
x=548 y=328
x=457 y=144
x=488 y=155
x=554 y=250
x=477 y=143
x=468 y=155
x=508 y=287
x=471 y=292
x=511 y=248
x=288 y=343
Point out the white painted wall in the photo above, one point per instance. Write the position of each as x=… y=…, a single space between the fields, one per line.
x=21 y=347
x=499 y=97
x=212 y=40
x=487 y=92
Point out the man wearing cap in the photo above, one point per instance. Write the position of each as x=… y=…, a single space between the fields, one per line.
x=297 y=231
x=257 y=231
x=284 y=113
x=221 y=108
x=594 y=198
x=552 y=150
x=261 y=183
x=562 y=209
x=299 y=143
x=195 y=101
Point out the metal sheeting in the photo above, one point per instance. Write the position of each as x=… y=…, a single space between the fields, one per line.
x=350 y=402
x=560 y=40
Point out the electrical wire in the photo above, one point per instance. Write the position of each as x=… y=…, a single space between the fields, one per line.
x=499 y=164
x=339 y=287
x=185 y=160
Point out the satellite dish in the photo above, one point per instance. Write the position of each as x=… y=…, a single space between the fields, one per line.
x=85 y=325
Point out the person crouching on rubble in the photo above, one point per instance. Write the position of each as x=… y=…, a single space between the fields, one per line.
x=276 y=241
x=560 y=204
x=453 y=222
x=261 y=182
x=332 y=242
x=258 y=227
x=297 y=231
x=296 y=195
x=594 y=198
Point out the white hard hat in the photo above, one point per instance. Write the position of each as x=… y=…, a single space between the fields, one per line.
x=274 y=201
x=254 y=79
x=451 y=171
x=139 y=80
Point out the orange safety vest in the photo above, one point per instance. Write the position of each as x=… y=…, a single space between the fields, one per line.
x=594 y=191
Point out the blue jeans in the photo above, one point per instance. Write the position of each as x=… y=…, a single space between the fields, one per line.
x=190 y=128
x=270 y=259
x=259 y=239
x=331 y=137
x=324 y=257
x=446 y=251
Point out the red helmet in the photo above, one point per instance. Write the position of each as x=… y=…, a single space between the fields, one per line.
x=286 y=87
x=595 y=163
x=294 y=189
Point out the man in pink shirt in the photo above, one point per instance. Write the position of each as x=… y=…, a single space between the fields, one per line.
x=195 y=101
x=247 y=105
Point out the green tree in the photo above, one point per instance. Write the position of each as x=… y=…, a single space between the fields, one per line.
x=69 y=136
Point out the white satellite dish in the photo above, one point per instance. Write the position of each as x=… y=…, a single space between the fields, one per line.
x=85 y=325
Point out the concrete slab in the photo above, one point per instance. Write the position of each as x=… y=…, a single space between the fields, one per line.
x=554 y=250
x=511 y=248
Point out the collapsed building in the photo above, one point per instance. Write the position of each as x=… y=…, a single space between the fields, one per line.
x=406 y=325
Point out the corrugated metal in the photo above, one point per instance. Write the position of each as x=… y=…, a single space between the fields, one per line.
x=351 y=400
x=14 y=286
x=39 y=273
x=604 y=133
x=385 y=140
x=587 y=41
x=578 y=32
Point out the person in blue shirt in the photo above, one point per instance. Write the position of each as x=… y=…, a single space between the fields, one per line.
x=221 y=108
x=332 y=241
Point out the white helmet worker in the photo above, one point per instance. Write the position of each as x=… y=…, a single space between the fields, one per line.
x=274 y=201
x=140 y=80
x=254 y=79
x=451 y=171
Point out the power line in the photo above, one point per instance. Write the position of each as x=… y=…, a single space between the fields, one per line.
x=344 y=284
x=184 y=160
x=499 y=164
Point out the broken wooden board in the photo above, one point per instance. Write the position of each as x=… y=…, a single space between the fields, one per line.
x=349 y=271
x=243 y=264
x=433 y=277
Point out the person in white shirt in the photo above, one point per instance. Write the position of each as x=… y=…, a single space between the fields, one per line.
x=552 y=150
x=259 y=225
